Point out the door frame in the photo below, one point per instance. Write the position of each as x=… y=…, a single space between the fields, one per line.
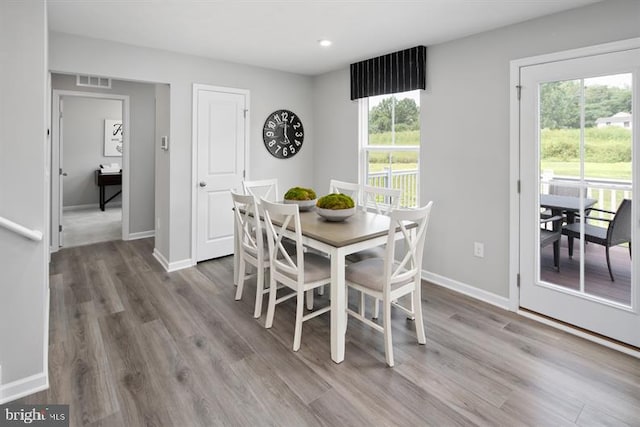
x=56 y=220
x=194 y=152
x=514 y=169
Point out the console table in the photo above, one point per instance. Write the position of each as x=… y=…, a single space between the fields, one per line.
x=105 y=179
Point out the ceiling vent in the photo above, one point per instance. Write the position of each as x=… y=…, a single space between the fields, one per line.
x=93 y=81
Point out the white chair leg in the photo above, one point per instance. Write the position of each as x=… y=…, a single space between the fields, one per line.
x=257 y=312
x=241 y=278
x=376 y=308
x=321 y=290
x=361 y=308
x=412 y=308
x=388 y=343
x=422 y=339
x=310 y=299
x=273 y=290
x=299 y=313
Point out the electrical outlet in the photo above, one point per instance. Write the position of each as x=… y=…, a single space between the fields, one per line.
x=478 y=249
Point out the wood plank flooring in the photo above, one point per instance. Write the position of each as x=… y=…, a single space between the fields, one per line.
x=132 y=345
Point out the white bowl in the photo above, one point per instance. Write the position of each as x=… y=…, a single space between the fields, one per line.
x=335 y=215
x=303 y=205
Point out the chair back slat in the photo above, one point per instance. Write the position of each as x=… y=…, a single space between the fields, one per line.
x=410 y=266
x=248 y=227
x=283 y=260
x=262 y=189
x=381 y=200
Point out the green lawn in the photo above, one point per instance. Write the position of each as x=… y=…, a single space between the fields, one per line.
x=409 y=137
x=607 y=152
x=592 y=170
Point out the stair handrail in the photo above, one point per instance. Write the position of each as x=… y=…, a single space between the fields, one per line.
x=34 y=235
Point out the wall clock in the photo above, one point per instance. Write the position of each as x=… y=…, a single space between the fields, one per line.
x=283 y=134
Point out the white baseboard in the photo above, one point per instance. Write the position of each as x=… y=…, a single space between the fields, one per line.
x=142 y=235
x=463 y=288
x=23 y=387
x=90 y=206
x=161 y=259
x=81 y=207
x=172 y=266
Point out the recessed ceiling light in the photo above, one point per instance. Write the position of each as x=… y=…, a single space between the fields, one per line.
x=324 y=43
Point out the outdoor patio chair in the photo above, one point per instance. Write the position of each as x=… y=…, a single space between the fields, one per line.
x=553 y=235
x=617 y=232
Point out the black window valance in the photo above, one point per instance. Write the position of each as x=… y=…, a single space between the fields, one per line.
x=396 y=72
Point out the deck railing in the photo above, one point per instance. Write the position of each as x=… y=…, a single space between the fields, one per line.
x=608 y=192
x=405 y=180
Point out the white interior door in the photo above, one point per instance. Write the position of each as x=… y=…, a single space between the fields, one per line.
x=569 y=142
x=221 y=136
x=61 y=174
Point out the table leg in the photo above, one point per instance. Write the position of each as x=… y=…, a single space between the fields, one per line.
x=571 y=218
x=338 y=307
x=102 y=195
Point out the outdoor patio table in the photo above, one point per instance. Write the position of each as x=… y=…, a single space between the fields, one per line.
x=568 y=205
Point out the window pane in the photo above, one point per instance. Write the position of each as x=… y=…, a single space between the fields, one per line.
x=395 y=169
x=394 y=120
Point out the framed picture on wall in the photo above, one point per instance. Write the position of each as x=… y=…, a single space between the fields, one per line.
x=112 y=138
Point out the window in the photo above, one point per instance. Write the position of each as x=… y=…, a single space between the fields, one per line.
x=390 y=143
x=93 y=81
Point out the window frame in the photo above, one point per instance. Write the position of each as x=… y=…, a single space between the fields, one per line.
x=364 y=148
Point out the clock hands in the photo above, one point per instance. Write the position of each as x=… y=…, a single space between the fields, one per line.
x=286 y=136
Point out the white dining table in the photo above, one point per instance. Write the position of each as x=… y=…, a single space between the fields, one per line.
x=363 y=230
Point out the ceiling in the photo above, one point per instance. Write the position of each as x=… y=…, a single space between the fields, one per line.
x=284 y=34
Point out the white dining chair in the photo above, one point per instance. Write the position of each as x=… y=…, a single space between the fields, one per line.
x=251 y=246
x=381 y=201
x=299 y=271
x=387 y=279
x=262 y=189
x=351 y=189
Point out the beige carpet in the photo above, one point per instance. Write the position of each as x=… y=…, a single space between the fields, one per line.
x=85 y=226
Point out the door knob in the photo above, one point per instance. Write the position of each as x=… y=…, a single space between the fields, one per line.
x=203 y=184
x=64 y=174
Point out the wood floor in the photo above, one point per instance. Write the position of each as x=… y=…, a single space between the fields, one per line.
x=91 y=225
x=132 y=345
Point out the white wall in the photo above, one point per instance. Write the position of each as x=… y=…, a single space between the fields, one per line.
x=162 y=164
x=270 y=90
x=23 y=196
x=336 y=150
x=83 y=151
x=465 y=133
x=141 y=153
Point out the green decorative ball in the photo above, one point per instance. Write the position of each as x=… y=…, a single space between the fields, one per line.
x=299 y=193
x=335 y=201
